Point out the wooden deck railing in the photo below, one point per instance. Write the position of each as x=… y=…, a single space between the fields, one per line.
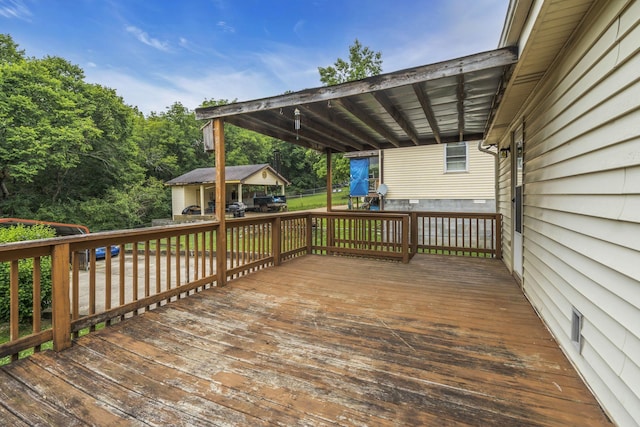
x=160 y=264
x=449 y=233
x=361 y=234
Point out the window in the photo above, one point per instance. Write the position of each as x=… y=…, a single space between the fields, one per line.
x=455 y=157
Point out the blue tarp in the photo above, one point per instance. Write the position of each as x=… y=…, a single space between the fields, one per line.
x=359 y=184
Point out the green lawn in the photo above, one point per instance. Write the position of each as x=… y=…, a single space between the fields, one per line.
x=317 y=201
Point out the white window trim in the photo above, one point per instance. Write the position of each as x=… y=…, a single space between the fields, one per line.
x=466 y=160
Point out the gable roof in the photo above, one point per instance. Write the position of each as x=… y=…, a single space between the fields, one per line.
x=442 y=102
x=232 y=174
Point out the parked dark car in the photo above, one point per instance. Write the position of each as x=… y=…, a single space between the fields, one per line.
x=270 y=203
x=191 y=210
x=237 y=209
x=101 y=252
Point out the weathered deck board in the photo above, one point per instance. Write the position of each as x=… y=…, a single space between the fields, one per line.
x=317 y=341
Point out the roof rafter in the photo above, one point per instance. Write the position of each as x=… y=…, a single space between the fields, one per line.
x=321 y=127
x=329 y=118
x=270 y=129
x=460 y=105
x=479 y=61
x=425 y=103
x=376 y=127
x=397 y=115
x=383 y=111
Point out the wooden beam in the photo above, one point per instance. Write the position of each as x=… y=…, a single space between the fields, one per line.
x=397 y=115
x=275 y=129
x=480 y=61
x=328 y=117
x=327 y=132
x=460 y=105
x=329 y=181
x=365 y=118
x=425 y=103
x=221 y=232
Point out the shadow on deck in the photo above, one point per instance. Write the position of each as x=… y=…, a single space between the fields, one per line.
x=317 y=341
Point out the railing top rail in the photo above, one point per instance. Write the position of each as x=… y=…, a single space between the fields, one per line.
x=83 y=241
x=453 y=214
x=363 y=214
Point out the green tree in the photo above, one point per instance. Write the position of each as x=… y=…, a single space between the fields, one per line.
x=21 y=233
x=9 y=52
x=170 y=143
x=362 y=63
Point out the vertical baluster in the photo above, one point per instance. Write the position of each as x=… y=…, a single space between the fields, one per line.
x=14 y=304
x=134 y=281
x=121 y=262
x=178 y=259
x=107 y=280
x=147 y=270
x=92 y=283
x=37 y=297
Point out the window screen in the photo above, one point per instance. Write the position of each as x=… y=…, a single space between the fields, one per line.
x=456 y=157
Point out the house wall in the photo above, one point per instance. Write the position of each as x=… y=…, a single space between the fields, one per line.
x=504 y=206
x=265 y=177
x=183 y=196
x=582 y=203
x=178 y=201
x=416 y=180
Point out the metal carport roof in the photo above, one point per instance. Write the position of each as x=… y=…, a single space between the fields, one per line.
x=442 y=102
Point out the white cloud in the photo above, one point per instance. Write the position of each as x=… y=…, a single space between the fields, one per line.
x=472 y=27
x=299 y=26
x=14 y=9
x=144 y=38
x=225 y=27
x=163 y=90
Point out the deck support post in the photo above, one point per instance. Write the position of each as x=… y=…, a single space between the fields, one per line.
x=61 y=306
x=221 y=197
x=329 y=181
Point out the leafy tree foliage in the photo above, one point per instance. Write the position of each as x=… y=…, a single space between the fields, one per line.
x=362 y=63
x=74 y=152
x=25 y=273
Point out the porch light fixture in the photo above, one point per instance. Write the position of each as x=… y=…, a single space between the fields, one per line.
x=296 y=116
x=504 y=152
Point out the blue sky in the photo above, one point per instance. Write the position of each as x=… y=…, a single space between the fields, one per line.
x=157 y=52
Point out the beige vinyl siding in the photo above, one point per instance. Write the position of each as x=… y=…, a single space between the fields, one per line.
x=258 y=179
x=582 y=203
x=419 y=173
x=504 y=206
x=177 y=200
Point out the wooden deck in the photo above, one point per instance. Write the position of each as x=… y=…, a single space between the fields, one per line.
x=318 y=341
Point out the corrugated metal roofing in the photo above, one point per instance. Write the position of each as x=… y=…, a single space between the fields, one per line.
x=443 y=102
